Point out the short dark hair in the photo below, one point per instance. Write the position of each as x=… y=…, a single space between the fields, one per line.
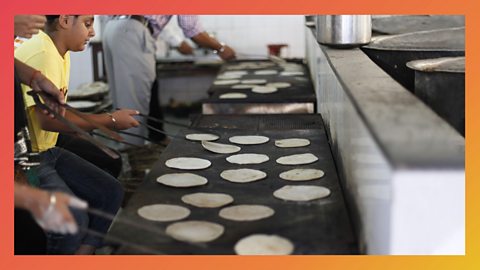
x=51 y=18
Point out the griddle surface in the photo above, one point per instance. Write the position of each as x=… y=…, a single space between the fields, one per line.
x=317 y=227
x=301 y=89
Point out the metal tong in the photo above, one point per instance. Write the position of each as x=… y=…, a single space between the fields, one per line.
x=80 y=132
x=163 y=121
x=145 y=227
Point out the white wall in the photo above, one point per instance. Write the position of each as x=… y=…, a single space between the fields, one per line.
x=247 y=34
x=250 y=34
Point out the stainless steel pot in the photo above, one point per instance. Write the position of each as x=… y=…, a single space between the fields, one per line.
x=344 y=30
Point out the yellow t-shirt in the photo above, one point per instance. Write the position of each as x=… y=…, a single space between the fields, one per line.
x=40 y=53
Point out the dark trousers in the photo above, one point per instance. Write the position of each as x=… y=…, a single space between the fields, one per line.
x=91 y=153
x=156 y=112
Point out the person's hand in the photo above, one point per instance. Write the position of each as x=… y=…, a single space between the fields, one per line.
x=51 y=211
x=227 y=54
x=28 y=25
x=124 y=119
x=185 y=48
x=41 y=83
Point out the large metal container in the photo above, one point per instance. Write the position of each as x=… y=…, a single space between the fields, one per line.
x=440 y=83
x=344 y=31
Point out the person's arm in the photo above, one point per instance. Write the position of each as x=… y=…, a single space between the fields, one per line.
x=28 y=25
x=50 y=210
x=175 y=40
x=118 y=120
x=37 y=81
x=204 y=39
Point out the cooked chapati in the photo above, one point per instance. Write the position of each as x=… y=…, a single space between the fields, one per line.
x=249 y=139
x=246 y=212
x=302 y=174
x=279 y=84
x=188 y=163
x=226 y=82
x=254 y=81
x=195 y=231
x=201 y=137
x=248 y=158
x=207 y=200
x=297 y=159
x=182 y=180
x=243 y=86
x=301 y=193
x=233 y=95
x=243 y=175
x=264 y=89
x=263 y=244
x=220 y=148
x=292 y=142
x=266 y=72
x=163 y=212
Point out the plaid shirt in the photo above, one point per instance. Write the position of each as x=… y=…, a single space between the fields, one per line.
x=190 y=24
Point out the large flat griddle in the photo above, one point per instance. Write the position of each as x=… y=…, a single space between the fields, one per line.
x=258 y=121
x=298 y=98
x=317 y=227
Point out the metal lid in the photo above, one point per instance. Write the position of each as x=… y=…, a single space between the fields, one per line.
x=444 y=64
x=402 y=24
x=449 y=39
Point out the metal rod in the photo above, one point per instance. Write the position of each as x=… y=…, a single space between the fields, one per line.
x=163 y=121
x=120 y=241
x=141 y=226
x=80 y=132
x=142 y=137
x=97 y=125
x=109 y=138
x=160 y=131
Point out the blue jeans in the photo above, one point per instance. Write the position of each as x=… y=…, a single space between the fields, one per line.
x=61 y=170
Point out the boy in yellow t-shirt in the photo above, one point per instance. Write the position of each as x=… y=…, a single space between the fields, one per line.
x=61 y=170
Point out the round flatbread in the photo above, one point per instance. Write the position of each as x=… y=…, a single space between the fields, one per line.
x=195 y=231
x=263 y=244
x=279 y=84
x=163 y=212
x=248 y=139
x=254 y=81
x=220 y=148
x=229 y=76
x=297 y=159
x=292 y=73
x=248 y=158
x=233 y=95
x=182 y=180
x=301 y=193
x=264 y=89
x=226 y=82
x=201 y=137
x=188 y=163
x=207 y=200
x=246 y=212
x=266 y=72
x=302 y=174
x=292 y=142
x=243 y=175
x=235 y=72
x=243 y=86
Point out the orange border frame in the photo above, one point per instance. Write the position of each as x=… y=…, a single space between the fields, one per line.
x=470 y=8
